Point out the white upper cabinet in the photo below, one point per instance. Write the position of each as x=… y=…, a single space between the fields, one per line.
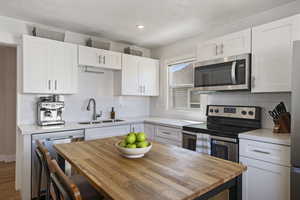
x=49 y=67
x=130 y=76
x=149 y=76
x=272 y=55
x=99 y=58
x=228 y=45
x=236 y=43
x=139 y=77
x=209 y=50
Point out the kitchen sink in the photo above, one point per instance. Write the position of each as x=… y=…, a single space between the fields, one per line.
x=100 y=122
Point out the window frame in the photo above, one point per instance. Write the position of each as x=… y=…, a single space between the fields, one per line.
x=169 y=106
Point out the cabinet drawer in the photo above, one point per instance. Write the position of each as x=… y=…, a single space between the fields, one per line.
x=166 y=141
x=105 y=132
x=273 y=153
x=169 y=133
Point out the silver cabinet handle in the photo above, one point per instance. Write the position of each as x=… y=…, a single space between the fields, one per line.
x=104 y=60
x=144 y=89
x=167 y=133
x=259 y=151
x=222 y=48
x=100 y=59
x=49 y=84
x=217 y=50
x=55 y=83
x=233 y=72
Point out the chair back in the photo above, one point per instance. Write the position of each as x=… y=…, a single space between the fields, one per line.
x=64 y=187
x=44 y=157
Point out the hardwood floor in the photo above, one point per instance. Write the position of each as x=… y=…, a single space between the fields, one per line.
x=7 y=182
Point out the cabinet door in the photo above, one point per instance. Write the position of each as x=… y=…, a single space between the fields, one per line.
x=88 y=56
x=105 y=132
x=112 y=60
x=36 y=72
x=236 y=43
x=64 y=67
x=150 y=131
x=264 y=181
x=130 y=75
x=149 y=76
x=137 y=128
x=209 y=50
x=272 y=56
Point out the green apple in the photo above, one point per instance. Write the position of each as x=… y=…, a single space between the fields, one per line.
x=122 y=144
x=141 y=137
x=143 y=144
x=131 y=133
x=131 y=146
x=130 y=139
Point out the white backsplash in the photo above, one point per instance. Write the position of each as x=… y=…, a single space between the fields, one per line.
x=90 y=85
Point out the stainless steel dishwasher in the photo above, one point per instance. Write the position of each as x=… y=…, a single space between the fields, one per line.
x=49 y=139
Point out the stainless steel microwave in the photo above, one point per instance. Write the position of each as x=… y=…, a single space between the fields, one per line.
x=232 y=73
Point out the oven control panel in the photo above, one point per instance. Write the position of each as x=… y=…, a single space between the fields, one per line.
x=242 y=112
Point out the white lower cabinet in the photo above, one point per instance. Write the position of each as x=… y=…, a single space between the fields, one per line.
x=265 y=181
x=167 y=135
x=268 y=171
x=137 y=127
x=105 y=132
x=149 y=129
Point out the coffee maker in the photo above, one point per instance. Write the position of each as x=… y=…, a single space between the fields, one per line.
x=49 y=111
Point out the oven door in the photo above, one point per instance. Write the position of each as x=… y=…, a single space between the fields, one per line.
x=189 y=141
x=223 y=74
x=225 y=148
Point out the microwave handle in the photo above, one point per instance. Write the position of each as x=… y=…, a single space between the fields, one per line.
x=233 y=72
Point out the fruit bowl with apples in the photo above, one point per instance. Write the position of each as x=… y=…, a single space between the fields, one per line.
x=134 y=145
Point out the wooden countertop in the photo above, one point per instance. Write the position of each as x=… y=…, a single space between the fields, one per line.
x=166 y=172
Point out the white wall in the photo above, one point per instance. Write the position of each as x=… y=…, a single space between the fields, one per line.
x=91 y=85
x=187 y=48
x=98 y=86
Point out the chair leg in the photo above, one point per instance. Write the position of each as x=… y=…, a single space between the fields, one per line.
x=39 y=181
x=48 y=190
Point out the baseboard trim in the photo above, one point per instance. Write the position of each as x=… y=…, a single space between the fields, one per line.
x=7 y=158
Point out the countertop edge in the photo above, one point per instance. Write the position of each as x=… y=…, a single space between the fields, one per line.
x=267 y=136
x=35 y=129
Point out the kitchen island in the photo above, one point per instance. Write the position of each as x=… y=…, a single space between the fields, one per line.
x=166 y=172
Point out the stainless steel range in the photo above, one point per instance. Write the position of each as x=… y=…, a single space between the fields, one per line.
x=219 y=136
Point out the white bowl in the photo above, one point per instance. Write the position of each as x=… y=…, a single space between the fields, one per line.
x=133 y=153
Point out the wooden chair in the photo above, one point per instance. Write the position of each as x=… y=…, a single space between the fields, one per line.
x=43 y=155
x=78 y=184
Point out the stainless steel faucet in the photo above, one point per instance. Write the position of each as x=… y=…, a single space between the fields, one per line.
x=95 y=115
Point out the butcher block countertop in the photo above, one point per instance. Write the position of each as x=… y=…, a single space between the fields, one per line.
x=166 y=172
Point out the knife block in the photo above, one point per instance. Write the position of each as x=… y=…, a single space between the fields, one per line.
x=283 y=124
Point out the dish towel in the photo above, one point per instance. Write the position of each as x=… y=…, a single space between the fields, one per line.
x=203 y=143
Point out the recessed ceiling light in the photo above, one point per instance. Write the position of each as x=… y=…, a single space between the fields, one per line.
x=140 y=26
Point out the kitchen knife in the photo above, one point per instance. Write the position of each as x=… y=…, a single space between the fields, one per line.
x=283 y=108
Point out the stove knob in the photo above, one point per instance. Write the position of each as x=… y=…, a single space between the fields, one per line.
x=211 y=110
x=251 y=113
x=216 y=110
x=244 y=112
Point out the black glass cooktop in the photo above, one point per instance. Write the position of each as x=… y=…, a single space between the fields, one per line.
x=217 y=129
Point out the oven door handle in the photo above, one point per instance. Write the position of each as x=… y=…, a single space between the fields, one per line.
x=233 y=72
x=223 y=139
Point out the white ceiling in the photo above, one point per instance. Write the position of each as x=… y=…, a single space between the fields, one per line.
x=165 y=21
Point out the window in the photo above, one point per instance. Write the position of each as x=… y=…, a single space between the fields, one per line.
x=180 y=87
